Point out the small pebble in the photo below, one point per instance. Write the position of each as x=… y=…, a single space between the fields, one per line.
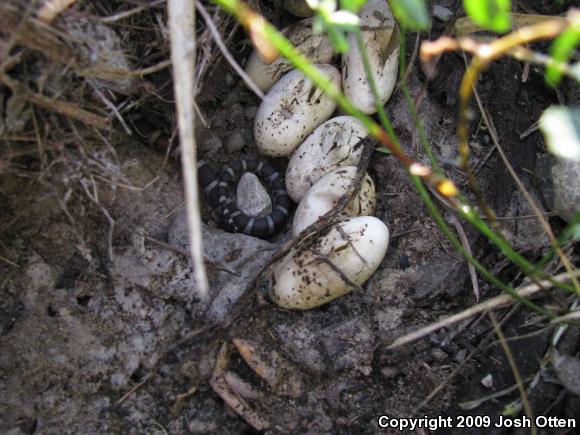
x=235 y=142
x=559 y=182
x=251 y=197
x=460 y=356
x=211 y=143
x=487 y=381
x=438 y=355
x=390 y=372
x=441 y=13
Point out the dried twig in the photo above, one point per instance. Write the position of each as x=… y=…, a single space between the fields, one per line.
x=238 y=404
x=61 y=107
x=465 y=243
x=493 y=303
x=340 y=273
x=458 y=369
x=214 y=264
x=53 y=8
x=220 y=43
x=130 y=12
x=182 y=30
x=515 y=371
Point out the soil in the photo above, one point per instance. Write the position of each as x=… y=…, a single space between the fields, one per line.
x=88 y=309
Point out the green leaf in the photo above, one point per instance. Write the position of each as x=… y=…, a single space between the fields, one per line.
x=383 y=150
x=575 y=230
x=337 y=39
x=560 y=51
x=561 y=128
x=490 y=14
x=412 y=14
x=352 y=5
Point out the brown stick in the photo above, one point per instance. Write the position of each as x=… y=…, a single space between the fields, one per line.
x=61 y=107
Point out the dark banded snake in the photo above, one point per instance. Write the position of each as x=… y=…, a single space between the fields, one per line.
x=220 y=191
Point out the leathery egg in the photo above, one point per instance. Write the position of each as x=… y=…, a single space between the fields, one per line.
x=303 y=280
x=324 y=195
x=291 y=110
x=381 y=38
x=316 y=47
x=335 y=143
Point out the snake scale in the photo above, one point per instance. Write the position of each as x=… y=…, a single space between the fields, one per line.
x=220 y=191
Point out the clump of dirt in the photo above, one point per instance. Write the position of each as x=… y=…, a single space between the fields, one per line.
x=97 y=305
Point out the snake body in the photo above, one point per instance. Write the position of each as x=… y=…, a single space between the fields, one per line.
x=220 y=193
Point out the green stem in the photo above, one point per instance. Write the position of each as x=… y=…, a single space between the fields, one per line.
x=465 y=210
x=285 y=48
x=411 y=103
x=459 y=247
x=385 y=122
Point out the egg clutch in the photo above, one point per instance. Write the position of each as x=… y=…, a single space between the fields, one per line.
x=293 y=121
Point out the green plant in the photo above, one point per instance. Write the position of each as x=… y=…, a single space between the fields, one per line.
x=494 y=15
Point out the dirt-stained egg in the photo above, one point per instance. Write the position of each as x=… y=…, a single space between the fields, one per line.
x=316 y=47
x=334 y=144
x=291 y=110
x=324 y=195
x=381 y=38
x=304 y=279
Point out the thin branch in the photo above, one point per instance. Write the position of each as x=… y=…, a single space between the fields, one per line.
x=130 y=12
x=463 y=238
x=61 y=107
x=515 y=371
x=52 y=9
x=220 y=43
x=490 y=304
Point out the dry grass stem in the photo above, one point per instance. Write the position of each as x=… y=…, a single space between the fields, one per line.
x=463 y=238
x=182 y=30
x=537 y=212
x=463 y=363
x=53 y=8
x=131 y=12
x=515 y=371
x=65 y=108
x=227 y=55
x=491 y=304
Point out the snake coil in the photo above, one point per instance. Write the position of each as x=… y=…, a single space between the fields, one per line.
x=220 y=193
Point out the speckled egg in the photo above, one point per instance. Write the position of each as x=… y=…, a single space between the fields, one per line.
x=334 y=144
x=324 y=195
x=291 y=110
x=356 y=246
x=316 y=47
x=381 y=38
